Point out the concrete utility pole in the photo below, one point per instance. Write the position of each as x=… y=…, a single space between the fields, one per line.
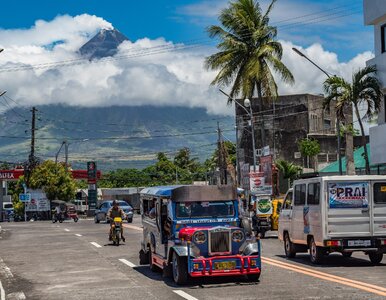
x=31 y=160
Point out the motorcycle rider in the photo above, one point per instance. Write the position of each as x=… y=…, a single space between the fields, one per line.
x=115 y=212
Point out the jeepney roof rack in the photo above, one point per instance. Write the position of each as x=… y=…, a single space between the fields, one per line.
x=187 y=193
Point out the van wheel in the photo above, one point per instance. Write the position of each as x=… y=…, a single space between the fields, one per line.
x=289 y=247
x=375 y=257
x=143 y=258
x=316 y=253
x=180 y=269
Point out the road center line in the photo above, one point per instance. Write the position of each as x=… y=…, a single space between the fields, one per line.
x=2 y=292
x=77 y=234
x=66 y=229
x=133 y=227
x=126 y=262
x=184 y=295
x=96 y=244
x=329 y=277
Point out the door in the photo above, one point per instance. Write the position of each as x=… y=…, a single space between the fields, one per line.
x=349 y=209
x=285 y=214
x=297 y=222
x=379 y=207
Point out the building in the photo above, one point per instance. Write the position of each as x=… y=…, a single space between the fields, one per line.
x=280 y=126
x=375 y=14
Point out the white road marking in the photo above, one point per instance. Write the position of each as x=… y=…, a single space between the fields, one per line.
x=17 y=296
x=126 y=262
x=66 y=229
x=133 y=227
x=96 y=244
x=77 y=234
x=184 y=295
x=2 y=292
x=5 y=270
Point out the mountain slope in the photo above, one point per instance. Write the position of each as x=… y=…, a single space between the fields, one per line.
x=116 y=137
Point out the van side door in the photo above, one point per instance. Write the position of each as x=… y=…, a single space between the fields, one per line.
x=285 y=214
x=297 y=222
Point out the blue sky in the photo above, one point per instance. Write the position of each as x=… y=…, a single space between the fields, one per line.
x=336 y=24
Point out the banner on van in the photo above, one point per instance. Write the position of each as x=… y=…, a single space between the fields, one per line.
x=348 y=194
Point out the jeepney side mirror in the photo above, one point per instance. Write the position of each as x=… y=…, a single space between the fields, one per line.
x=246 y=223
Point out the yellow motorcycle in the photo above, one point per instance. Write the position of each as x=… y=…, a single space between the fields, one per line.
x=116 y=230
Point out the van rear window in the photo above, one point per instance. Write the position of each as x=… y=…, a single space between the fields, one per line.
x=380 y=192
x=300 y=194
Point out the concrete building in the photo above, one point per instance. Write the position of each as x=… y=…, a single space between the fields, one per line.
x=282 y=125
x=375 y=14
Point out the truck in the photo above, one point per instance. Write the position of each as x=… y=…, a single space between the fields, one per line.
x=195 y=231
x=335 y=214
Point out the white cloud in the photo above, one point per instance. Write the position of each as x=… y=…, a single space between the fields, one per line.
x=144 y=77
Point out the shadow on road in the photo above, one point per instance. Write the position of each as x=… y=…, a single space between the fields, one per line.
x=196 y=283
x=332 y=261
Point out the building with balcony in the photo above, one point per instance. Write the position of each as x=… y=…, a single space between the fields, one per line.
x=375 y=15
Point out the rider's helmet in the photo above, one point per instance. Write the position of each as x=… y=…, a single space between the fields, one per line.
x=115 y=203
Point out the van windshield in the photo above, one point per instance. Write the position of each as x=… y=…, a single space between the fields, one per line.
x=204 y=209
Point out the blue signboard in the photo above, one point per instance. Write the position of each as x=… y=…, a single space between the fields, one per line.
x=25 y=197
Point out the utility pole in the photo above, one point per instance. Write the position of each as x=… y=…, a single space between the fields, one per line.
x=31 y=160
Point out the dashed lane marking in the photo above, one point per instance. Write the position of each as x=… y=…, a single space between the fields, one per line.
x=17 y=296
x=133 y=227
x=2 y=292
x=96 y=244
x=5 y=270
x=184 y=295
x=66 y=229
x=126 y=262
x=77 y=234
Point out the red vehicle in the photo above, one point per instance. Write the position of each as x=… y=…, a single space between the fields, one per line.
x=68 y=211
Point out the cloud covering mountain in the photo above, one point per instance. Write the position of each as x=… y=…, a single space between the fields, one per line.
x=43 y=65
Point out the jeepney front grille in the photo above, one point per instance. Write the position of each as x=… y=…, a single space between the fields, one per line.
x=219 y=242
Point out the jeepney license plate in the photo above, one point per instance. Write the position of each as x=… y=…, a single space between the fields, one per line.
x=225 y=265
x=357 y=243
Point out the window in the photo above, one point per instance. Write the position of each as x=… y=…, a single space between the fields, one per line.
x=383 y=38
x=288 y=201
x=327 y=124
x=313 y=195
x=380 y=192
x=202 y=209
x=300 y=194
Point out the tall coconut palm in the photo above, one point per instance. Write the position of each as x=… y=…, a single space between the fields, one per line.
x=248 y=51
x=364 y=90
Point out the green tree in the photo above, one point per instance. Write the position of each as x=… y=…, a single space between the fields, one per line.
x=364 y=90
x=54 y=180
x=248 y=51
x=289 y=170
x=309 y=148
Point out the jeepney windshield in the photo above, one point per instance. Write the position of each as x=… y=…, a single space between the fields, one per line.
x=203 y=209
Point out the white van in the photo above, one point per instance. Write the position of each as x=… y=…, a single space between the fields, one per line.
x=335 y=214
x=80 y=206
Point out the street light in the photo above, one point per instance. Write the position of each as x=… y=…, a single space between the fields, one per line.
x=337 y=119
x=247 y=103
x=2 y=93
x=66 y=149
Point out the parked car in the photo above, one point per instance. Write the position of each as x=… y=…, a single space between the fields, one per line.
x=102 y=210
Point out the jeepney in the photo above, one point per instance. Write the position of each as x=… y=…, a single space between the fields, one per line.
x=195 y=231
x=266 y=213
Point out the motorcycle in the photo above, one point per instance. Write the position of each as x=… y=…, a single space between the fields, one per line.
x=116 y=230
x=57 y=218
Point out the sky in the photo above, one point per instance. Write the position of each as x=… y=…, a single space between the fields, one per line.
x=162 y=64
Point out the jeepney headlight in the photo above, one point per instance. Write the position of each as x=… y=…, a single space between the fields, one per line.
x=237 y=236
x=199 y=237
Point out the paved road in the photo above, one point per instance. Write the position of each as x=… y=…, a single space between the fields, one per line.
x=41 y=260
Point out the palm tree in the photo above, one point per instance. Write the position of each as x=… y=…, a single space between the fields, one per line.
x=289 y=170
x=248 y=51
x=365 y=90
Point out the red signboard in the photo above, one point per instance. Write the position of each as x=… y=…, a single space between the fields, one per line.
x=15 y=174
